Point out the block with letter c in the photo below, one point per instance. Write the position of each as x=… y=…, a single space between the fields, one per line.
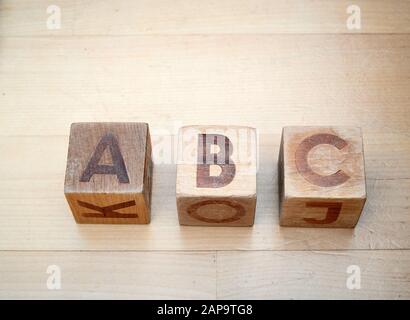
x=321 y=177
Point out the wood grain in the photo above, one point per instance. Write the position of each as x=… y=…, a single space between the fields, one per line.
x=34 y=215
x=322 y=275
x=109 y=275
x=123 y=17
x=191 y=275
x=264 y=64
x=268 y=81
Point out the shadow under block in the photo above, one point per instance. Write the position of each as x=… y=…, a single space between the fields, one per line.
x=321 y=177
x=216 y=176
x=109 y=173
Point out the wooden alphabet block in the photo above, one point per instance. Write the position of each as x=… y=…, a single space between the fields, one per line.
x=216 y=176
x=109 y=173
x=321 y=177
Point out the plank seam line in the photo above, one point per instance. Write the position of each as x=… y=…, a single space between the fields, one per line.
x=200 y=250
x=206 y=34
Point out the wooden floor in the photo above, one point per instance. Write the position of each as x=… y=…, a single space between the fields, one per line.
x=266 y=64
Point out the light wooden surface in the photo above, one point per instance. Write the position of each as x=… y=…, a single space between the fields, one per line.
x=265 y=64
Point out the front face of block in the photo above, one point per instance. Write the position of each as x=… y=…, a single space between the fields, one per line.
x=109 y=172
x=321 y=177
x=216 y=176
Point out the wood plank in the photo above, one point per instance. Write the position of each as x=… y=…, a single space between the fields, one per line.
x=35 y=216
x=123 y=17
x=167 y=275
x=109 y=275
x=267 y=81
x=321 y=275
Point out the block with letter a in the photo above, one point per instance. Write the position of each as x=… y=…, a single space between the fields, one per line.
x=109 y=173
x=216 y=175
x=321 y=177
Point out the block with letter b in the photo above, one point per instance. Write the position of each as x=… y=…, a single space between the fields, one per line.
x=216 y=175
x=109 y=172
x=321 y=177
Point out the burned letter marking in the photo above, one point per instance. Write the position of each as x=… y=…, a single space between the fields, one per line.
x=303 y=167
x=118 y=167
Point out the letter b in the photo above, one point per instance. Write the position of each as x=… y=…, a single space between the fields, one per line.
x=220 y=158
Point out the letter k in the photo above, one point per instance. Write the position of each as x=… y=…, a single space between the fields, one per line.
x=108 y=211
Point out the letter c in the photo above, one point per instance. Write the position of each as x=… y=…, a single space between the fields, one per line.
x=303 y=167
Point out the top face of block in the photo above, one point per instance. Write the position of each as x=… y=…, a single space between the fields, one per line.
x=216 y=161
x=106 y=157
x=323 y=162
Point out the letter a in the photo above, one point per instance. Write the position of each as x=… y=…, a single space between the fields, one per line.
x=118 y=167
